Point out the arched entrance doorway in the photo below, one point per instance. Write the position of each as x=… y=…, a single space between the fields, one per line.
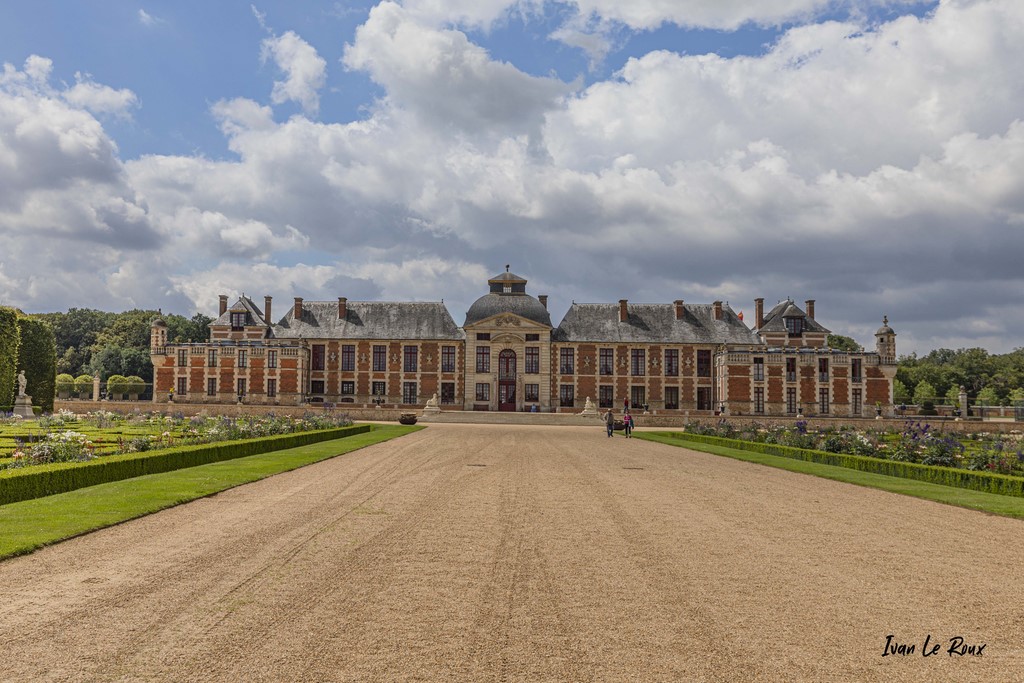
x=507 y=380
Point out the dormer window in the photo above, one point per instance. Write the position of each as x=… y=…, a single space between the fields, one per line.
x=507 y=289
x=795 y=326
x=237 y=320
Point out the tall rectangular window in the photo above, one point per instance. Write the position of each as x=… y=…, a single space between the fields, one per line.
x=271 y=388
x=671 y=398
x=565 y=361
x=241 y=387
x=379 y=388
x=448 y=391
x=483 y=391
x=605 y=395
x=791 y=369
x=823 y=401
x=348 y=357
x=791 y=406
x=637 y=397
x=758 y=369
x=483 y=359
x=380 y=358
x=271 y=359
x=606 y=359
x=703 y=398
x=857 y=407
x=182 y=358
x=211 y=358
x=318 y=357
x=855 y=370
x=243 y=358
x=410 y=362
x=566 y=395
x=211 y=386
x=637 y=362
x=182 y=386
x=409 y=392
x=532 y=360
x=794 y=326
x=823 y=369
x=531 y=392
x=238 y=320
x=671 y=362
x=758 y=400
x=704 y=363
x=448 y=361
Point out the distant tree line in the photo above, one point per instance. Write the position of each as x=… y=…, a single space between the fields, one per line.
x=90 y=341
x=990 y=379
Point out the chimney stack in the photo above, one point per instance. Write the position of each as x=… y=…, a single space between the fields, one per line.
x=623 y=312
x=543 y=299
x=297 y=314
x=759 y=313
x=342 y=307
x=718 y=310
x=223 y=305
x=266 y=309
x=810 y=308
x=680 y=309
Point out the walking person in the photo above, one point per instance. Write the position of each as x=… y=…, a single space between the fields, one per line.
x=609 y=421
x=627 y=423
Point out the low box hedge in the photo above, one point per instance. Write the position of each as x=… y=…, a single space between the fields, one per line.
x=986 y=482
x=46 y=480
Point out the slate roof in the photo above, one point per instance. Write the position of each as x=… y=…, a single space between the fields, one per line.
x=369 y=320
x=653 y=323
x=774 y=320
x=255 y=314
x=519 y=304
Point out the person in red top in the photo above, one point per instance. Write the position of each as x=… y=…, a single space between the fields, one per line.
x=627 y=423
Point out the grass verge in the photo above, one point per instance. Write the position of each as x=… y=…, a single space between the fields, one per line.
x=31 y=524
x=1007 y=506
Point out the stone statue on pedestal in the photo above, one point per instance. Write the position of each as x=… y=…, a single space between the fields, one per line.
x=23 y=402
x=22 y=383
x=431 y=406
x=588 y=408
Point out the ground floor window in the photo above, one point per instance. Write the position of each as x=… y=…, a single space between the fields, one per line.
x=671 y=398
x=759 y=400
x=182 y=386
x=605 y=395
x=823 y=401
x=791 y=400
x=409 y=393
x=271 y=388
x=316 y=386
x=241 y=387
x=348 y=387
x=211 y=386
x=483 y=391
x=857 y=407
x=448 y=389
x=566 y=395
x=703 y=398
x=637 y=397
x=379 y=388
x=532 y=392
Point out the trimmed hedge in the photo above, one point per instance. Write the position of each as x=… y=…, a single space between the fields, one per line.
x=986 y=482
x=37 y=356
x=10 y=340
x=46 y=480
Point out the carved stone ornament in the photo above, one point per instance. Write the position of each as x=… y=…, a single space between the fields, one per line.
x=508 y=321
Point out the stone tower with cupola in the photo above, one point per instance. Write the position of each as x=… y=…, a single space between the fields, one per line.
x=885 y=343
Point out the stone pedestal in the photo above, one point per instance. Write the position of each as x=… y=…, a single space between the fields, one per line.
x=431 y=408
x=589 y=409
x=23 y=406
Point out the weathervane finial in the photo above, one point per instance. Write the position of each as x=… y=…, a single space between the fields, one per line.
x=507 y=266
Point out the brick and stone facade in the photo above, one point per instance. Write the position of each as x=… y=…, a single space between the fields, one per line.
x=677 y=358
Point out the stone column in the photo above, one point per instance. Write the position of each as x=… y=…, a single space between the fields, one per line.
x=963 y=402
x=96 y=387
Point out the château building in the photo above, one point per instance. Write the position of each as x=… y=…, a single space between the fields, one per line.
x=672 y=358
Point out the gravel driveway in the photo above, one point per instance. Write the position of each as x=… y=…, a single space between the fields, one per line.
x=496 y=553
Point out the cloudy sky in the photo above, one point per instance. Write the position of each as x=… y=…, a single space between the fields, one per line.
x=868 y=154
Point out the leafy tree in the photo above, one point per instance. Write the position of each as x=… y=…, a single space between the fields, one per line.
x=76 y=331
x=128 y=330
x=899 y=392
x=1017 y=395
x=185 y=330
x=988 y=397
x=37 y=356
x=841 y=343
x=10 y=341
x=953 y=396
x=118 y=360
x=923 y=392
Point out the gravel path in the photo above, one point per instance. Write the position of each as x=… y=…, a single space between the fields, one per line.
x=490 y=553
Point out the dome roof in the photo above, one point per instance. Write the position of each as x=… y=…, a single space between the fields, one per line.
x=884 y=329
x=520 y=304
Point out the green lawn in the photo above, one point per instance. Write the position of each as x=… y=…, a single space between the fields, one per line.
x=31 y=524
x=1007 y=506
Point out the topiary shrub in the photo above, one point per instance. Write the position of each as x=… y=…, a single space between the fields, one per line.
x=117 y=386
x=65 y=384
x=37 y=356
x=136 y=386
x=83 y=386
